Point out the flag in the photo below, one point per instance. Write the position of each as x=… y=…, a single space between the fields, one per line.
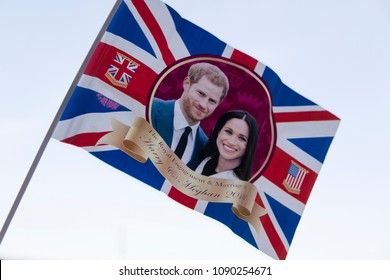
x=144 y=53
x=294 y=178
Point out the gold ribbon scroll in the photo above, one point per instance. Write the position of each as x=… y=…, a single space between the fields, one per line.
x=141 y=141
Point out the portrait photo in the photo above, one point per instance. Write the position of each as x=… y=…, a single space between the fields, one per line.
x=222 y=99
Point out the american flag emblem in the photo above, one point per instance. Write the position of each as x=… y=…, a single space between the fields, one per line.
x=295 y=176
x=121 y=70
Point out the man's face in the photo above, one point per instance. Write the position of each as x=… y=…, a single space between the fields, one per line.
x=200 y=99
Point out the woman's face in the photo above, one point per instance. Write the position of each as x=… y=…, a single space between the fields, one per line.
x=232 y=139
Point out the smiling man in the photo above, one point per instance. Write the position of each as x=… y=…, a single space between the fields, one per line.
x=177 y=121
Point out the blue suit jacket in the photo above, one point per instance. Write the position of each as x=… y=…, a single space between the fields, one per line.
x=162 y=121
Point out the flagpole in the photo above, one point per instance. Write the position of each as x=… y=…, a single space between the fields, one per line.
x=54 y=124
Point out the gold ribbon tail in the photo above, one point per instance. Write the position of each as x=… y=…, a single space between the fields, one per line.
x=254 y=216
x=122 y=137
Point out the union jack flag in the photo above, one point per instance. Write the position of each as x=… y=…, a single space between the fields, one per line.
x=150 y=36
x=119 y=73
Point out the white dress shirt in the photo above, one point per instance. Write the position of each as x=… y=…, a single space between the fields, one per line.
x=179 y=125
x=228 y=174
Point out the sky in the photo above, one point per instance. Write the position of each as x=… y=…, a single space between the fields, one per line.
x=335 y=53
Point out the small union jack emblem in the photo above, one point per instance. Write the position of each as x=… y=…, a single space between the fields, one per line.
x=294 y=179
x=121 y=70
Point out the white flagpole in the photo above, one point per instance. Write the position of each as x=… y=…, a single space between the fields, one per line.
x=54 y=124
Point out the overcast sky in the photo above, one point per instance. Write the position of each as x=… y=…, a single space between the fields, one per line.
x=335 y=53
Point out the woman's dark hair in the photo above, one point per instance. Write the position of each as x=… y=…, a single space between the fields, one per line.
x=244 y=170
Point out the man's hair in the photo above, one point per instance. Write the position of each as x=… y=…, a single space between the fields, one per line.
x=212 y=72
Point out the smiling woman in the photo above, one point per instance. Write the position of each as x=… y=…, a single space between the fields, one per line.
x=230 y=151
